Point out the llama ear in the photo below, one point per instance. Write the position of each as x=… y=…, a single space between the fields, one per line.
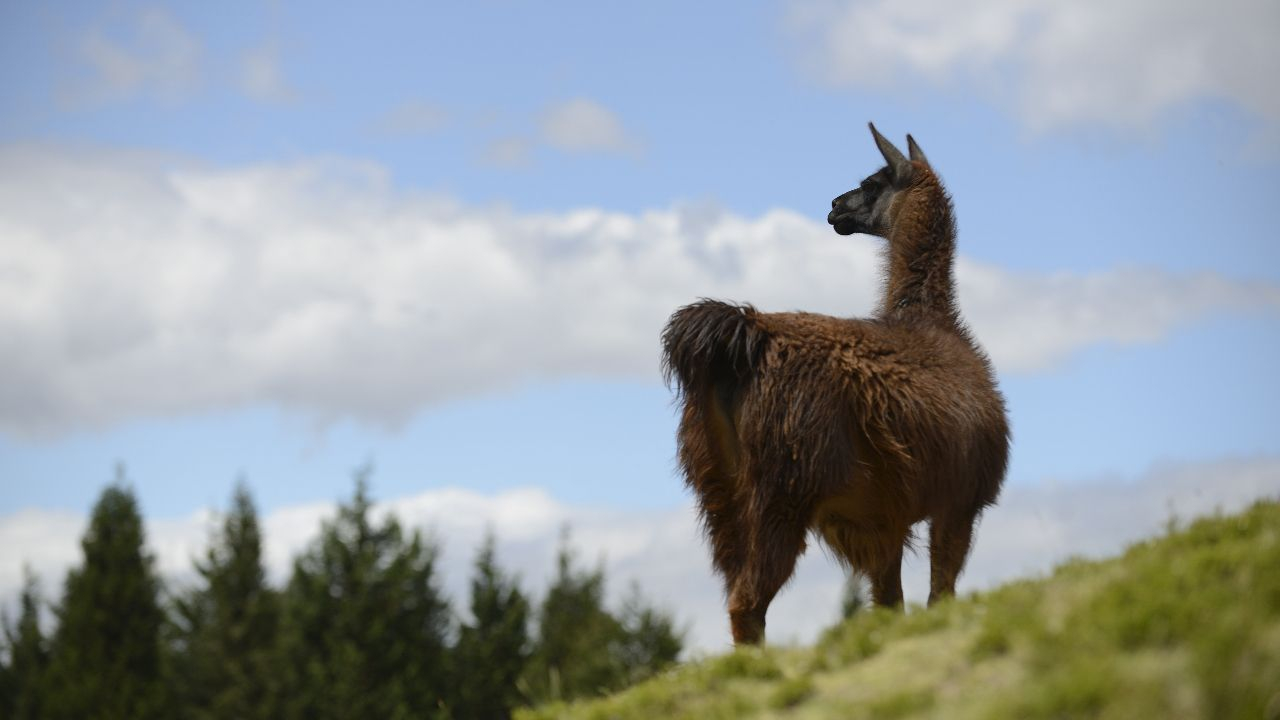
x=915 y=152
x=899 y=166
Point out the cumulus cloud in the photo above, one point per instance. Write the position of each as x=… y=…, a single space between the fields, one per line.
x=1058 y=62
x=157 y=55
x=131 y=286
x=582 y=125
x=1031 y=321
x=1034 y=527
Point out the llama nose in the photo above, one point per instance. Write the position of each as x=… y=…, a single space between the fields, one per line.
x=841 y=202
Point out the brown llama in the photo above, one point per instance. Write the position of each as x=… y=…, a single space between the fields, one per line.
x=855 y=429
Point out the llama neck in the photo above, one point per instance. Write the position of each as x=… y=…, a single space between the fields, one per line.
x=921 y=257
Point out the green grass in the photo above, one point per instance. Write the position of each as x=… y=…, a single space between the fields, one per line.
x=1186 y=625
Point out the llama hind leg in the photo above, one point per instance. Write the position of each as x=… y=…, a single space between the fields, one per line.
x=949 y=541
x=886 y=575
x=725 y=530
x=874 y=552
x=776 y=541
x=707 y=452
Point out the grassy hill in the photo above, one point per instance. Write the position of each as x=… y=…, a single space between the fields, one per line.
x=1182 y=626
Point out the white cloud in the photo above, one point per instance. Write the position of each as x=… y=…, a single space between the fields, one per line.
x=1031 y=321
x=133 y=287
x=262 y=77
x=1059 y=62
x=582 y=125
x=157 y=55
x=1034 y=527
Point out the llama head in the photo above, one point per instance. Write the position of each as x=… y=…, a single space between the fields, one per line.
x=872 y=206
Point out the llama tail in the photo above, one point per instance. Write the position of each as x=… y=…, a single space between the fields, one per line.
x=711 y=342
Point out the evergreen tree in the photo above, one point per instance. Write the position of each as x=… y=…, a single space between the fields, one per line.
x=576 y=652
x=22 y=685
x=650 y=640
x=583 y=649
x=225 y=630
x=106 y=657
x=855 y=595
x=364 y=625
x=493 y=648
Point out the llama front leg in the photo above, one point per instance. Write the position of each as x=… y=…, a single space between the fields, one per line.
x=949 y=541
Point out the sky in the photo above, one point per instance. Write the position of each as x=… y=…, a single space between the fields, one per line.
x=283 y=241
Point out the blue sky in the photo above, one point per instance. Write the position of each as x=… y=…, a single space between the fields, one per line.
x=280 y=240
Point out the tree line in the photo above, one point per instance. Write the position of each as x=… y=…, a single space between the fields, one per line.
x=361 y=629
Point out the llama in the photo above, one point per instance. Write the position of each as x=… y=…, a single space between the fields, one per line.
x=852 y=429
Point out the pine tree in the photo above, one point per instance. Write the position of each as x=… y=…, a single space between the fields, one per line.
x=583 y=649
x=493 y=648
x=364 y=625
x=106 y=657
x=22 y=696
x=576 y=652
x=226 y=629
x=650 y=641
x=855 y=594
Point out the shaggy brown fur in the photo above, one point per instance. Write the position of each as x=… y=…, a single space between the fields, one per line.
x=854 y=429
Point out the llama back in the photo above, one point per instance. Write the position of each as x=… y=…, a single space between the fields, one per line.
x=770 y=380
x=795 y=418
x=831 y=397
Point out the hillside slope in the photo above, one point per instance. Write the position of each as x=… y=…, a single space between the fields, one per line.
x=1182 y=626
